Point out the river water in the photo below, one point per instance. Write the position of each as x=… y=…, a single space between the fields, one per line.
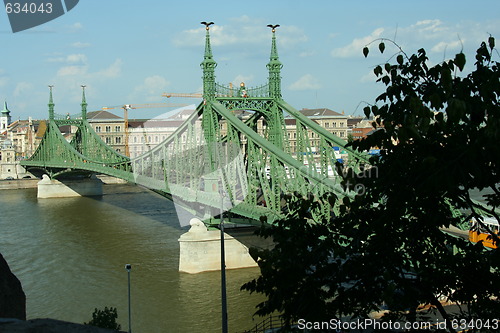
x=70 y=255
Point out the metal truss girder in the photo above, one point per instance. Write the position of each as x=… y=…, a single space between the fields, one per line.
x=321 y=131
x=274 y=150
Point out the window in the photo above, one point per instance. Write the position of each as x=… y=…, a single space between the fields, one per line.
x=108 y=140
x=98 y=129
x=108 y=129
x=118 y=140
x=327 y=125
x=135 y=139
x=118 y=128
x=341 y=124
x=334 y=124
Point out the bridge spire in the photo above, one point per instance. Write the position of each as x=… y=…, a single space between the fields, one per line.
x=84 y=104
x=51 y=104
x=274 y=66
x=208 y=65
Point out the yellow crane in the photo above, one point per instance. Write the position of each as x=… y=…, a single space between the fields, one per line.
x=194 y=95
x=127 y=107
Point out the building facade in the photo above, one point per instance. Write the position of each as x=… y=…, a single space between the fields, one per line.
x=333 y=122
x=110 y=127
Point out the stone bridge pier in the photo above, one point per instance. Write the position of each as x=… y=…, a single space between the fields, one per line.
x=53 y=188
x=200 y=248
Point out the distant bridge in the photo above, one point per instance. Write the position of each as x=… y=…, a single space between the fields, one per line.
x=214 y=158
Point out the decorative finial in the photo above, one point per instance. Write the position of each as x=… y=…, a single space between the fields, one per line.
x=51 y=103
x=207 y=24
x=273 y=26
x=84 y=103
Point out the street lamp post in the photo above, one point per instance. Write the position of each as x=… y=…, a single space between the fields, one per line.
x=223 y=265
x=128 y=267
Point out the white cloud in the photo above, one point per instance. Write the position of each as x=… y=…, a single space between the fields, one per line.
x=22 y=88
x=306 y=54
x=306 y=82
x=356 y=46
x=72 y=71
x=70 y=59
x=80 y=45
x=433 y=35
x=368 y=77
x=76 y=58
x=289 y=36
x=112 y=71
x=77 y=26
x=82 y=70
x=444 y=46
x=242 y=30
x=3 y=78
x=150 y=90
x=429 y=26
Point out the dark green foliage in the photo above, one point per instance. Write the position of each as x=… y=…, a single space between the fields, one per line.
x=105 y=319
x=439 y=137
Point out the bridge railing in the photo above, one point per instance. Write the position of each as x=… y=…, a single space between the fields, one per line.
x=268 y=325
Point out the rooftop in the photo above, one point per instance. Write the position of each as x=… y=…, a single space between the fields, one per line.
x=323 y=112
x=101 y=115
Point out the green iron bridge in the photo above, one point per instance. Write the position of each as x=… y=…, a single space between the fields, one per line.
x=214 y=158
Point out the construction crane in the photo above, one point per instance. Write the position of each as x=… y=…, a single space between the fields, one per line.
x=193 y=95
x=127 y=107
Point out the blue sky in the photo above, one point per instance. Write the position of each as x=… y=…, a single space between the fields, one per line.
x=130 y=52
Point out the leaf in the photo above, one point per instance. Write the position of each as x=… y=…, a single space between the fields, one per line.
x=460 y=60
x=367 y=110
x=491 y=42
x=400 y=59
x=365 y=51
x=446 y=78
x=387 y=67
x=381 y=47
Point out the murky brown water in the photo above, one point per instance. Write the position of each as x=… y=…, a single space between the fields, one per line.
x=70 y=255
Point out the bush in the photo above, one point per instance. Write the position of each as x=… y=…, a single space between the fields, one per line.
x=105 y=319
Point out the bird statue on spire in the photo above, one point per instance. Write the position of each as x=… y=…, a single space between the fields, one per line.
x=273 y=26
x=207 y=24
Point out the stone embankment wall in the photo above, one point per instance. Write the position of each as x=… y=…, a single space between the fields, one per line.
x=16 y=184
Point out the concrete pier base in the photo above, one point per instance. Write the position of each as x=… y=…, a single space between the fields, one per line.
x=200 y=250
x=53 y=188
